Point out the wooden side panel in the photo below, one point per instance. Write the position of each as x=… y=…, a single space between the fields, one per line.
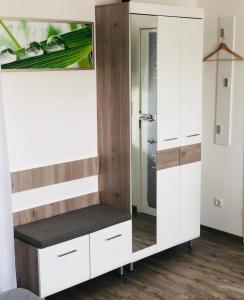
x=190 y=154
x=44 y=176
x=54 y=209
x=26 y=258
x=112 y=43
x=168 y=158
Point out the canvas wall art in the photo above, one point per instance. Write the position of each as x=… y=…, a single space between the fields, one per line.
x=28 y=44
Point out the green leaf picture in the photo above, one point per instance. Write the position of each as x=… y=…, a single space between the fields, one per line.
x=44 y=45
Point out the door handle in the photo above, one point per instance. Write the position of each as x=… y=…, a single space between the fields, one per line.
x=172 y=139
x=67 y=253
x=193 y=135
x=113 y=237
x=146 y=117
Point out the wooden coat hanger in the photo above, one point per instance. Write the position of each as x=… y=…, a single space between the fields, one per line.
x=223 y=46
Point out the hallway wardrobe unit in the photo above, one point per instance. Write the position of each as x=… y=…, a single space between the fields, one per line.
x=149 y=73
x=149 y=76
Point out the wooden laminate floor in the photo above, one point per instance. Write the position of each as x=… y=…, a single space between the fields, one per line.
x=213 y=269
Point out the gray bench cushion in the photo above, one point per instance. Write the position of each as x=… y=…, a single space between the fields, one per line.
x=18 y=294
x=71 y=225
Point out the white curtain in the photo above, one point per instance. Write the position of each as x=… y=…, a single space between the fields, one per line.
x=7 y=261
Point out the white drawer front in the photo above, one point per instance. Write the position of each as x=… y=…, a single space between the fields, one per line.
x=63 y=265
x=110 y=248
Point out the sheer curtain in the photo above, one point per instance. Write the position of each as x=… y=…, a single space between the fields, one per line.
x=7 y=261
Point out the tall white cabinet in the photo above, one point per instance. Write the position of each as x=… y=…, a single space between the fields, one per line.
x=180 y=44
x=150 y=61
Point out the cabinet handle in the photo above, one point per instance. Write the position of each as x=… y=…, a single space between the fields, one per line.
x=193 y=135
x=67 y=253
x=173 y=139
x=113 y=237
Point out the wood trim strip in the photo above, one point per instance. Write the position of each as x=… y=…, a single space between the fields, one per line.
x=49 y=175
x=54 y=209
x=190 y=154
x=168 y=158
x=178 y=156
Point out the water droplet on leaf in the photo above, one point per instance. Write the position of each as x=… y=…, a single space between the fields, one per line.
x=55 y=43
x=34 y=49
x=7 y=56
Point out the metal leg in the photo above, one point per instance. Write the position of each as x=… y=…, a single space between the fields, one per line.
x=190 y=244
x=121 y=271
x=131 y=268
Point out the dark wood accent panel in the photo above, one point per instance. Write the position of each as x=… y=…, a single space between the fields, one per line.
x=168 y=158
x=112 y=44
x=54 y=209
x=190 y=154
x=49 y=175
x=26 y=258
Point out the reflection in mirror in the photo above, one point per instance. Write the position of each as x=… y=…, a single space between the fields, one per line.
x=144 y=129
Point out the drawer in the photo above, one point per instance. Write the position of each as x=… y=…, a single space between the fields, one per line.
x=63 y=265
x=110 y=248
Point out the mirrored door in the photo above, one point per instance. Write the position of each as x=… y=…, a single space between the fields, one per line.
x=144 y=129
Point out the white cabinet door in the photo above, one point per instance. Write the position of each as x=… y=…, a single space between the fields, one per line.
x=190 y=198
x=169 y=82
x=63 y=265
x=168 y=216
x=191 y=81
x=110 y=248
x=168 y=188
x=168 y=228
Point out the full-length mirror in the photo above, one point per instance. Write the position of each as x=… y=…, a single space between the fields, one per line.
x=144 y=129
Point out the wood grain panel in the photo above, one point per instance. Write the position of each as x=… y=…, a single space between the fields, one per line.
x=190 y=154
x=54 y=209
x=112 y=44
x=168 y=158
x=26 y=258
x=49 y=175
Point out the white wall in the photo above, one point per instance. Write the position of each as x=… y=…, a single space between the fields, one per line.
x=222 y=166
x=51 y=117
x=48 y=113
